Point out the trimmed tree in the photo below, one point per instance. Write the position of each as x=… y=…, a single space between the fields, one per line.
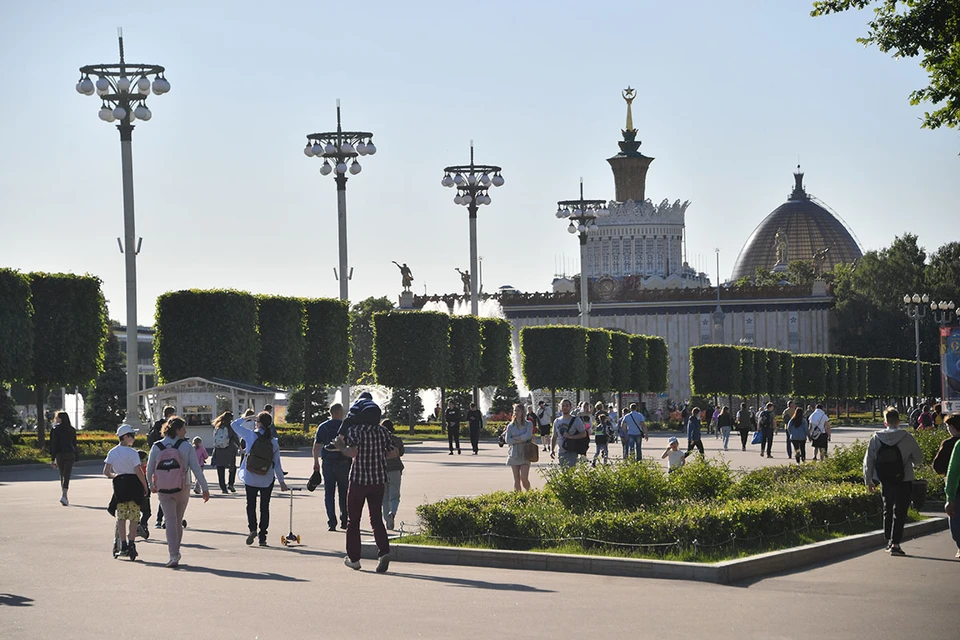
x=639 y=364
x=16 y=326
x=786 y=372
x=464 y=369
x=410 y=350
x=496 y=368
x=599 y=371
x=326 y=347
x=361 y=337
x=554 y=357
x=658 y=363
x=773 y=372
x=208 y=334
x=761 y=383
x=282 y=325
x=809 y=376
x=879 y=377
x=715 y=370
x=747 y=371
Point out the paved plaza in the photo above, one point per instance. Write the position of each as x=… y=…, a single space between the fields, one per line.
x=58 y=579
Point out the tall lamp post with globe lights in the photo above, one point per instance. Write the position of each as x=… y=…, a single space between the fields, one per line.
x=583 y=216
x=339 y=151
x=916 y=307
x=472 y=182
x=944 y=313
x=123 y=90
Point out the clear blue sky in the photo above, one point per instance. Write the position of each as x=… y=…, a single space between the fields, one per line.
x=730 y=95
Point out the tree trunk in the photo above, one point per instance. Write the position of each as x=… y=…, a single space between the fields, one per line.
x=411 y=423
x=306 y=408
x=443 y=406
x=41 y=417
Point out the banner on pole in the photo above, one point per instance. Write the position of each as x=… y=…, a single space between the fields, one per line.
x=950 y=369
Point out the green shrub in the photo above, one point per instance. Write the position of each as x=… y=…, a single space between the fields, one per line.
x=701 y=479
x=628 y=485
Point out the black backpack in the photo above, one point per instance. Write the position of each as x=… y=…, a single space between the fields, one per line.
x=576 y=445
x=889 y=463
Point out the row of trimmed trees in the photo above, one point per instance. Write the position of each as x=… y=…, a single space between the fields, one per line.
x=53 y=328
x=726 y=370
x=569 y=357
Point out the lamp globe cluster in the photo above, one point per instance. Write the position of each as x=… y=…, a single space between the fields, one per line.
x=582 y=215
x=123 y=90
x=339 y=150
x=472 y=185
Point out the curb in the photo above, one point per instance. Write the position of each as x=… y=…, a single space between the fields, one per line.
x=720 y=573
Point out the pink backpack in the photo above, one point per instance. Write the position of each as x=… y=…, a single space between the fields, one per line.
x=170 y=472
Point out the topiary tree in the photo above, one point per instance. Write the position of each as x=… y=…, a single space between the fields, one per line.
x=496 y=368
x=747 y=371
x=761 y=383
x=105 y=407
x=715 y=370
x=69 y=328
x=639 y=364
x=786 y=372
x=809 y=376
x=361 y=337
x=658 y=363
x=879 y=377
x=16 y=326
x=282 y=327
x=832 y=388
x=599 y=371
x=410 y=350
x=464 y=370
x=326 y=347
x=619 y=361
x=773 y=372
x=554 y=357
x=208 y=334
x=863 y=372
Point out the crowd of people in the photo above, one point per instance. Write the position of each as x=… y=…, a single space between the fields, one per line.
x=357 y=459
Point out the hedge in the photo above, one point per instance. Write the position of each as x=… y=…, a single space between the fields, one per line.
x=326 y=341
x=410 y=348
x=786 y=373
x=620 y=364
x=496 y=368
x=281 y=325
x=639 y=364
x=761 y=380
x=773 y=372
x=554 y=357
x=599 y=371
x=210 y=334
x=748 y=385
x=879 y=378
x=810 y=376
x=832 y=386
x=464 y=359
x=715 y=370
x=16 y=326
x=658 y=363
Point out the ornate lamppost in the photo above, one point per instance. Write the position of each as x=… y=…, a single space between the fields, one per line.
x=916 y=308
x=943 y=312
x=472 y=182
x=339 y=150
x=583 y=216
x=123 y=90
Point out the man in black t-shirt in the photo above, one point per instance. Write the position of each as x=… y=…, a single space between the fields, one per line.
x=451 y=417
x=475 y=422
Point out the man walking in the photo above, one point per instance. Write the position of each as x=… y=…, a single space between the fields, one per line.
x=566 y=427
x=634 y=425
x=819 y=431
x=474 y=422
x=693 y=432
x=890 y=458
x=368 y=445
x=451 y=417
x=785 y=418
x=333 y=466
x=765 y=422
x=545 y=416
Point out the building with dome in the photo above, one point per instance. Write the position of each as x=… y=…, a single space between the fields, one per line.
x=802 y=228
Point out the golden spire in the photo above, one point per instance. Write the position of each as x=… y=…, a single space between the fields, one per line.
x=629 y=94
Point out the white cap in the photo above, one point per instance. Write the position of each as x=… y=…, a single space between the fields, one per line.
x=672 y=441
x=125 y=429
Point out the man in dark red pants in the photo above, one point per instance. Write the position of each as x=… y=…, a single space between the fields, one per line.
x=369 y=445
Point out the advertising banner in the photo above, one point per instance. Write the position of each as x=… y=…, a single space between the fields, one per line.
x=950 y=368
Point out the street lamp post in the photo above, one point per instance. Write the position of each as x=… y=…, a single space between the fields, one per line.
x=472 y=181
x=943 y=312
x=339 y=150
x=916 y=308
x=583 y=216
x=123 y=90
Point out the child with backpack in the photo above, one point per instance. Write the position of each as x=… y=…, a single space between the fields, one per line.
x=890 y=459
x=122 y=465
x=260 y=466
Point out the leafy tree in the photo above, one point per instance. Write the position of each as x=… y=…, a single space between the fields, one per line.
x=943 y=273
x=16 y=326
x=658 y=363
x=620 y=360
x=496 y=368
x=399 y=406
x=910 y=28
x=599 y=370
x=106 y=404
x=361 y=337
x=505 y=397
x=715 y=370
x=8 y=419
x=464 y=340
x=281 y=323
x=318 y=406
x=810 y=376
x=639 y=364
x=800 y=272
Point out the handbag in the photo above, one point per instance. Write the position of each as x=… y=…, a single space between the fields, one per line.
x=531 y=452
x=757 y=437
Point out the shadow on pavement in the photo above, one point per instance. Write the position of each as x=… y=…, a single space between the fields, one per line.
x=474 y=584
x=951 y=560
x=228 y=573
x=10 y=600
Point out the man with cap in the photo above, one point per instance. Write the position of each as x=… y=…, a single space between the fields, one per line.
x=368 y=445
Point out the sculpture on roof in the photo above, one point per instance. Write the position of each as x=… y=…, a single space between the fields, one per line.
x=406 y=275
x=780 y=243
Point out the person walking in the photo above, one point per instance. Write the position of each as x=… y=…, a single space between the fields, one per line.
x=889 y=460
x=63 y=451
x=451 y=417
x=225 y=445
x=586 y=416
x=725 y=425
x=941 y=459
x=368 y=445
x=122 y=466
x=260 y=467
x=567 y=427
x=474 y=423
x=391 y=492
x=785 y=419
x=634 y=428
x=674 y=456
x=154 y=436
x=334 y=467
x=545 y=419
x=519 y=433
x=797 y=431
x=746 y=422
x=766 y=423
x=167 y=467
x=694 y=438
x=603 y=430
x=952 y=484
x=819 y=423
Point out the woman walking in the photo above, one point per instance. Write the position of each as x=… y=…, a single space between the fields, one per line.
x=391 y=492
x=63 y=451
x=259 y=468
x=797 y=432
x=746 y=422
x=167 y=477
x=519 y=433
x=225 y=444
x=725 y=424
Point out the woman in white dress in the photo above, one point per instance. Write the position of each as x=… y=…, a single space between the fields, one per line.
x=519 y=432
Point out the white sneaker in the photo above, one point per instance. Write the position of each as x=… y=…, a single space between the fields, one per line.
x=173 y=562
x=349 y=563
x=64 y=501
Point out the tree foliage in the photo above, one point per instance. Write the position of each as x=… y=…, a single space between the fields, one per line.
x=715 y=370
x=496 y=368
x=929 y=29
x=464 y=369
x=554 y=357
x=620 y=361
x=410 y=348
x=599 y=372
x=810 y=376
x=16 y=326
x=658 y=363
x=504 y=398
x=105 y=407
x=748 y=384
x=318 y=405
x=327 y=345
x=281 y=326
x=639 y=364
x=361 y=337
x=403 y=404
